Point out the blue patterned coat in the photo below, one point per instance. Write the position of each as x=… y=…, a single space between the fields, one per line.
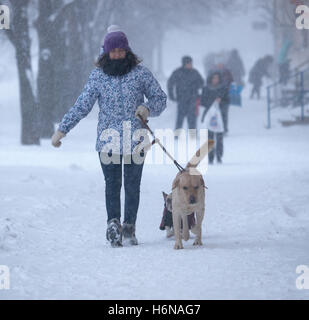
x=118 y=97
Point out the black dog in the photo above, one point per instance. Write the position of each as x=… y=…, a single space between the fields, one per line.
x=167 y=218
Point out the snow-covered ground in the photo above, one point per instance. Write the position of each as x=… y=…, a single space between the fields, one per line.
x=255 y=232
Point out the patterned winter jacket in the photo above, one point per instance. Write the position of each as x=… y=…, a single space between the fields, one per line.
x=118 y=97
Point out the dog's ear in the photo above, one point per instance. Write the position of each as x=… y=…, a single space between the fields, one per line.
x=164 y=195
x=175 y=183
x=202 y=182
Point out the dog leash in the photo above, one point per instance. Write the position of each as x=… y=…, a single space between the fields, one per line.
x=155 y=140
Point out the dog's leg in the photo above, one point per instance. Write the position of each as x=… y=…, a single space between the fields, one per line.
x=194 y=229
x=169 y=232
x=198 y=228
x=185 y=228
x=176 y=226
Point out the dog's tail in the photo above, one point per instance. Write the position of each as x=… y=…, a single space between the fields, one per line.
x=200 y=154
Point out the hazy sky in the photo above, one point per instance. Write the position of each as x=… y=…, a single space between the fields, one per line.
x=229 y=33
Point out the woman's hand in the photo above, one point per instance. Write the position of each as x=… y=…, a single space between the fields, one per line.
x=57 y=136
x=143 y=112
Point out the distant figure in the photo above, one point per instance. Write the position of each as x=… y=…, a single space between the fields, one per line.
x=214 y=91
x=258 y=71
x=227 y=79
x=236 y=66
x=209 y=61
x=183 y=86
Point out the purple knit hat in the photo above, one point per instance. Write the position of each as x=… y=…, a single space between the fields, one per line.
x=115 y=39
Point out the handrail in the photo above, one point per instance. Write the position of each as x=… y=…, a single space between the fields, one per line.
x=290 y=77
x=301 y=65
x=302 y=92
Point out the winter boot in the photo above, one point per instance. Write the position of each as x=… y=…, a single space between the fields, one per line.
x=128 y=232
x=114 y=233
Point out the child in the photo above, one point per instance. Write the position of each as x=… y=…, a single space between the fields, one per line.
x=214 y=91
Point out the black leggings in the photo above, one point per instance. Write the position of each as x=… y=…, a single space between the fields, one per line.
x=224 y=107
x=113 y=182
x=218 y=149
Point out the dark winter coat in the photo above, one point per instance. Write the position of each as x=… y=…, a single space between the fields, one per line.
x=186 y=83
x=118 y=97
x=210 y=94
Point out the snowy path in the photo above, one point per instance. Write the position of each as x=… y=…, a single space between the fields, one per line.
x=52 y=220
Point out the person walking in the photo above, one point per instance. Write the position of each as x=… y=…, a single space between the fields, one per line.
x=119 y=83
x=236 y=67
x=226 y=80
x=183 y=87
x=214 y=91
x=258 y=71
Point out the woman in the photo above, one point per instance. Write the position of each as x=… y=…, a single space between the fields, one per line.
x=214 y=91
x=119 y=83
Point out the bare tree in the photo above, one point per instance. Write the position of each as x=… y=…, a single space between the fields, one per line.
x=46 y=77
x=20 y=39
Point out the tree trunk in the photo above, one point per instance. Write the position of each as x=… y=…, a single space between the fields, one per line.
x=75 y=55
x=61 y=73
x=60 y=51
x=46 y=79
x=19 y=36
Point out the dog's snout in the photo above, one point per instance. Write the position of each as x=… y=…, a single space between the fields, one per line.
x=192 y=199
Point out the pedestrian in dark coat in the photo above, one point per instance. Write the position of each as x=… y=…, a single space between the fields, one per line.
x=120 y=84
x=214 y=91
x=236 y=66
x=258 y=71
x=183 y=87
